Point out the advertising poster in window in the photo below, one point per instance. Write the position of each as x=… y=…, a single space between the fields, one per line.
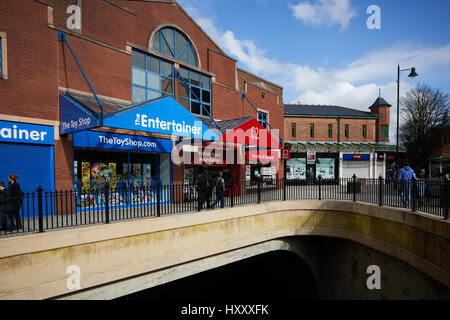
x=86 y=176
x=113 y=168
x=147 y=175
x=136 y=178
x=296 y=169
x=325 y=167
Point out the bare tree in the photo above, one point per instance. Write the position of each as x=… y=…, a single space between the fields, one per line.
x=424 y=111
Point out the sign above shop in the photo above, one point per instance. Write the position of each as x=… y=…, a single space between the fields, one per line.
x=17 y=132
x=286 y=154
x=251 y=133
x=74 y=117
x=104 y=140
x=270 y=155
x=165 y=116
x=381 y=157
x=356 y=157
x=311 y=156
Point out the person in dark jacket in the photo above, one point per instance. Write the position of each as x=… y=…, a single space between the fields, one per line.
x=5 y=208
x=16 y=195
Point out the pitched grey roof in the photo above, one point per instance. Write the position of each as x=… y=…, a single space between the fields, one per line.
x=380 y=102
x=325 y=110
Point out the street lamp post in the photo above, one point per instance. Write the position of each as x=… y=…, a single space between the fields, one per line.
x=413 y=74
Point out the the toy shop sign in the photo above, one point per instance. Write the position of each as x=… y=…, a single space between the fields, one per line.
x=104 y=140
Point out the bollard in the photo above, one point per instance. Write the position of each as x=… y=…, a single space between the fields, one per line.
x=107 y=203
x=259 y=190
x=320 y=187
x=158 y=198
x=380 y=190
x=40 y=210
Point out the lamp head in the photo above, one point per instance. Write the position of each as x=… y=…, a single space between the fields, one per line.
x=413 y=73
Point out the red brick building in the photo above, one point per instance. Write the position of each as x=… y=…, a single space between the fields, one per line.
x=131 y=52
x=333 y=141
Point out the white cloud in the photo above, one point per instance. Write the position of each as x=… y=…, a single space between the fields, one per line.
x=324 y=12
x=354 y=85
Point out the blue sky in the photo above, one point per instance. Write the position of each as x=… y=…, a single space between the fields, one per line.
x=322 y=52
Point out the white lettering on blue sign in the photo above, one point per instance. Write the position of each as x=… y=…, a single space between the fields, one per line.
x=125 y=142
x=22 y=134
x=80 y=123
x=145 y=122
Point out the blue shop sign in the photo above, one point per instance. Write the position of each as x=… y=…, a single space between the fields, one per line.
x=103 y=140
x=17 y=132
x=164 y=115
x=356 y=157
x=74 y=117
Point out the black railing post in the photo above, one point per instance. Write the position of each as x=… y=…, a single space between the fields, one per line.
x=354 y=187
x=107 y=203
x=40 y=210
x=284 y=186
x=158 y=198
x=232 y=194
x=320 y=187
x=259 y=190
x=446 y=198
x=414 y=194
x=380 y=190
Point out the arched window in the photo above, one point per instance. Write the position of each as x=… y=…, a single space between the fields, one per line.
x=172 y=43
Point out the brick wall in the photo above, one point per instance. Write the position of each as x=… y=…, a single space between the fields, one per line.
x=321 y=129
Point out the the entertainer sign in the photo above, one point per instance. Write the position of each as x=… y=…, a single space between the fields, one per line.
x=164 y=116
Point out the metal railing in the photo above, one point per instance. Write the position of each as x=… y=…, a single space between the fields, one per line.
x=43 y=210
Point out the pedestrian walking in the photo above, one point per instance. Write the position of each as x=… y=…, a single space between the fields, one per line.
x=405 y=176
x=16 y=195
x=220 y=190
x=5 y=208
x=421 y=186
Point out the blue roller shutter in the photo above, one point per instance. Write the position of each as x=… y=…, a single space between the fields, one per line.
x=32 y=163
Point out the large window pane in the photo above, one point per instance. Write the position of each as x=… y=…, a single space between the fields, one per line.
x=208 y=110
x=152 y=94
x=167 y=85
x=195 y=93
x=184 y=55
x=170 y=37
x=138 y=77
x=138 y=59
x=138 y=94
x=153 y=64
x=164 y=48
x=156 y=43
x=206 y=82
x=154 y=81
x=166 y=69
x=184 y=74
x=192 y=57
x=206 y=96
x=195 y=78
x=195 y=107
x=183 y=90
x=181 y=43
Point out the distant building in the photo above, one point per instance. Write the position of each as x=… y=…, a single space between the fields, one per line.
x=439 y=163
x=333 y=141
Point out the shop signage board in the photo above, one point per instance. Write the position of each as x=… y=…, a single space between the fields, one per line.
x=286 y=154
x=251 y=133
x=104 y=140
x=380 y=157
x=270 y=155
x=16 y=132
x=74 y=117
x=165 y=116
x=356 y=157
x=311 y=156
